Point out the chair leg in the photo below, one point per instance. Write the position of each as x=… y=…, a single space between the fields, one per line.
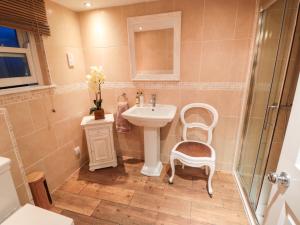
x=211 y=173
x=173 y=170
x=206 y=170
x=182 y=166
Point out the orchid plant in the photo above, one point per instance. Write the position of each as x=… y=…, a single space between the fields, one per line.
x=94 y=80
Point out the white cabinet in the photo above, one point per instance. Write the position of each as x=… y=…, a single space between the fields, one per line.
x=100 y=141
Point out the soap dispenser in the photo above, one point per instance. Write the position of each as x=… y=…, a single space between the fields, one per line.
x=141 y=99
x=137 y=99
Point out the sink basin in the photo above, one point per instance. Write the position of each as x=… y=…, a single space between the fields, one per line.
x=151 y=118
x=148 y=116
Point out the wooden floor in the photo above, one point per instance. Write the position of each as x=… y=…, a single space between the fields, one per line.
x=123 y=196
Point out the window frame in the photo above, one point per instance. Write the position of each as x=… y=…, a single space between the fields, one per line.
x=32 y=59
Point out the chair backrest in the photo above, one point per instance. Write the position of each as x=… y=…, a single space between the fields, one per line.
x=203 y=126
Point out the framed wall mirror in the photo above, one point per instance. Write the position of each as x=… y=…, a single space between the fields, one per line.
x=154 y=44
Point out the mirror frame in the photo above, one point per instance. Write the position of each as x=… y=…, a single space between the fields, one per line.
x=151 y=23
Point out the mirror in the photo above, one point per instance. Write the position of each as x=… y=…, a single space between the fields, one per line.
x=154 y=43
x=154 y=51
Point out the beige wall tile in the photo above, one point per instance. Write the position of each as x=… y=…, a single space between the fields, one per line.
x=61 y=104
x=38 y=113
x=63 y=132
x=93 y=56
x=193 y=11
x=59 y=69
x=77 y=130
x=192 y=19
x=79 y=102
x=245 y=18
x=217 y=98
x=135 y=143
x=58 y=166
x=109 y=100
x=224 y=61
x=227 y=103
x=190 y=61
x=219 y=19
x=5 y=142
x=157 y=7
x=166 y=147
x=164 y=96
x=146 y=8
x=190 y=96
x=38 y=166
x=64 y=25
x=227 y=128
x=173 y=128
x=81 y=142
x=119 y=55
x=20 y=118
x=37 y=145
x=116 y=63
x=22 y=194
x=96 y=28
x=65 y=38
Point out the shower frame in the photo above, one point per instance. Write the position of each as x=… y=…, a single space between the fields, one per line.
x=251 y=83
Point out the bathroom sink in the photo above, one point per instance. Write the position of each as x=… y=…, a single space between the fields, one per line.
x=148 y=116
x=151 y=118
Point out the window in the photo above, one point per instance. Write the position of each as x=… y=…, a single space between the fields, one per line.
x=19 y=64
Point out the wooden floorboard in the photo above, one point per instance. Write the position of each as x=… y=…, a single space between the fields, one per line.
x=76 y=203
x=80 y=219
x=123 y=196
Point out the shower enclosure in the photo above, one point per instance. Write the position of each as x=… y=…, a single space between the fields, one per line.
x=274 y=74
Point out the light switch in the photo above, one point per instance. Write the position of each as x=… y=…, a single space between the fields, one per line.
x=71 y=60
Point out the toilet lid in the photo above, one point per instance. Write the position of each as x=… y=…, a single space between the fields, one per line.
x=32 y=215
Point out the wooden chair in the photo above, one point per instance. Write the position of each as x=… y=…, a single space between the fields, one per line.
x=196 y=153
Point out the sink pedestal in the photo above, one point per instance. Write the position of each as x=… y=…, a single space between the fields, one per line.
x=152 y=119
x=153 y=165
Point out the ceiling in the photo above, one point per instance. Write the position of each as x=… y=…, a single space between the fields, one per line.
x=78 y=5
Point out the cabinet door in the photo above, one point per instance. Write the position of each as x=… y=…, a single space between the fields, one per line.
x=100 y=146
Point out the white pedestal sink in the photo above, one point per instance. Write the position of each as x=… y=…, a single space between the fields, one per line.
x=151 y=118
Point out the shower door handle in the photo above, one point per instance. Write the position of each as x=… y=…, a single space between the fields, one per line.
x=269 y=108
x=283 y=179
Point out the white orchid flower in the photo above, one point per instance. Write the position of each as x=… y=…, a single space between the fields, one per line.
x=95 y=78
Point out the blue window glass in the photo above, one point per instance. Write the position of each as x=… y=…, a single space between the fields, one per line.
x=13 y=65
x=8 y=37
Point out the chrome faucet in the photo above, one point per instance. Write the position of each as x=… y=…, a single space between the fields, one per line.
x=153 y=100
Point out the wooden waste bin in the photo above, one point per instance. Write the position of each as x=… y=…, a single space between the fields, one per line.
x=39 y=189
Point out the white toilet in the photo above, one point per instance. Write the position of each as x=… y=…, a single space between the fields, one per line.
x=11 y=213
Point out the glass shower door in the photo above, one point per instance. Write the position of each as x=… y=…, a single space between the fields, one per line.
x=263 y=100
x=275 y=103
